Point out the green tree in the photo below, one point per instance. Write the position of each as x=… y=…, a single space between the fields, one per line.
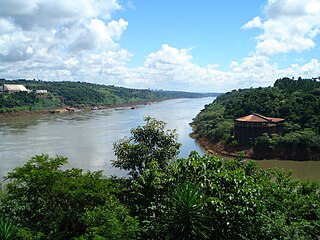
x=109 y=221
x=241 y=201
x=148 y=142
x=147 y=155
x=45 y=200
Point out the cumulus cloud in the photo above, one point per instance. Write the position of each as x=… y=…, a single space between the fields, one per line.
x=95 y=34
x=48 y=13
x=172 y=68
x=78 y=40
x=60 y=38
x=289 y=26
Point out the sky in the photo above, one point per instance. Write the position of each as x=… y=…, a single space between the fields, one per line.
x=186 y=45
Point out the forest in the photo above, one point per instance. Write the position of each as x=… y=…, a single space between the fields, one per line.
x=199 y=197
x=297 y=101
x=79 y=94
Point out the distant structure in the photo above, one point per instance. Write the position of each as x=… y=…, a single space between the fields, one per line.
x=13 y=88
x=41 y=91
x=254 y=125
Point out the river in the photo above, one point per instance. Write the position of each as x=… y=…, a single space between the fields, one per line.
x=87 y=137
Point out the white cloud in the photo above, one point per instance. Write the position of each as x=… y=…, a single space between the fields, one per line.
x=48 y=13
x=254 y=23
x=56 y=27
x=290 y=26
x=62 y=40
x=6 y=26
x=116 y=28
x=308 y=70
x=95 y=34
x=167 y=57
x=171 y=68
x=78 y=40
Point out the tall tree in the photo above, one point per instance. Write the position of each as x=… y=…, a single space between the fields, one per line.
x=148 y=142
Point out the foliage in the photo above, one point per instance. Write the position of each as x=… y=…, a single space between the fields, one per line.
x=146 y=155
x=149 y=142
x=297 y=101
x=187 y=217
x=48 y=201
x=6 y=228
x=301 y=144
x=244 y=202
x=109 y=221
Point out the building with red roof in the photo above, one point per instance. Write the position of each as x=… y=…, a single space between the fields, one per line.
x=254 y=125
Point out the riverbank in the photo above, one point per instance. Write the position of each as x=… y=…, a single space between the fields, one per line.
x=66 y=109
x=219 y=149
x=303 y=170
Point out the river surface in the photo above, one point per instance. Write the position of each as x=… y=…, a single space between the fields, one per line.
x=87 y=137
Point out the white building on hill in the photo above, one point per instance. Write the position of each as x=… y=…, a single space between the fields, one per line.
x=13 y=88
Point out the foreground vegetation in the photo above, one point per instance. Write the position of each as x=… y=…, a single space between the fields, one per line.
x=79 y=94
x=298 y=101
x=162 y=198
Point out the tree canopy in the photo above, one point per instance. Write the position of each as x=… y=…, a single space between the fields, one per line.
x=148 y=142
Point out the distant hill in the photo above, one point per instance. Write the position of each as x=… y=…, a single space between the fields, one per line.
x=80 y=94
x=297 y=101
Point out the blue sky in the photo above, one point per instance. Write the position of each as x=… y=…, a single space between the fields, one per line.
x=212 y=29
x=190 y=45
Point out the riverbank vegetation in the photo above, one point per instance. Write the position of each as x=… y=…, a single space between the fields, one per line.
x=79 y=94
x=297 y=101
x=162 y=198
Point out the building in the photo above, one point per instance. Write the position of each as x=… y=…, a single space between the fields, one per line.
x=254 y=125
x=13 y=88
x=41 y=91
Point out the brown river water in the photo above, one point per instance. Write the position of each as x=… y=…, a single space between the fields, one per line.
x=87 y=137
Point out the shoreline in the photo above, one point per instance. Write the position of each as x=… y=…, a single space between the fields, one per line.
x=217 y=149
x=68 y=109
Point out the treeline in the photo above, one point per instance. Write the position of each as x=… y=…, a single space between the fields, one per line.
x=297 y=101
x=162 y=198
x=79 y=94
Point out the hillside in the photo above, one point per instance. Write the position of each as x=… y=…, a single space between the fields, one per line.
x=79 y=94
x=297 y=101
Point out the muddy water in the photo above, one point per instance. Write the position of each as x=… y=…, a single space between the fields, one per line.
x=87 y=137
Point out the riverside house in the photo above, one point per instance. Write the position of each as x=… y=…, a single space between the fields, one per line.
x=254 y=125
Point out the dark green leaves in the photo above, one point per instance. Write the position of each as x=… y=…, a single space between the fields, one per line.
x=149 y=142
x=49 y=201
x=188 y=217
x=6 y=228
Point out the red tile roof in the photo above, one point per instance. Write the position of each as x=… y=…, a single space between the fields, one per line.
x=259 y=118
